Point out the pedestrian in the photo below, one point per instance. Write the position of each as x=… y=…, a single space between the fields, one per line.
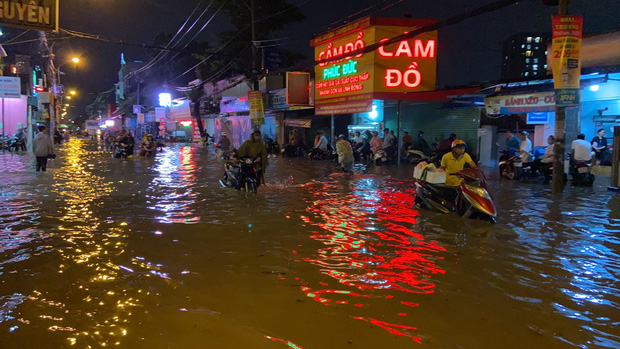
x=525 y=150
x=57 y=136
x=345 y=153
x=599 y=145
x=66 y=136
x=224 y=146
x=43 y=148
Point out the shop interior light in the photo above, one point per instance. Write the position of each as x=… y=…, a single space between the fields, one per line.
x=165 y=99
x=109 y=123
x=186 y=123
x=594 y=88
x=374 y=113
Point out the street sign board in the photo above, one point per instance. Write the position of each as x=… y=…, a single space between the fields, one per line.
x=40 y=15
x=10 y=87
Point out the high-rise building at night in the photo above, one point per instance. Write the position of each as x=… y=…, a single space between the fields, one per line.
x=524 y=56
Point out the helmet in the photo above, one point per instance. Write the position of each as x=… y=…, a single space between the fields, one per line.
x=341 y=136
x=458 y=142
x=224 y=134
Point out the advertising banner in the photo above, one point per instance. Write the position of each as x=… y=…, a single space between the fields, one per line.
x=140 y=118
x=403 y=67
x=304 y=123
x=160 y=114
x=196 y=137
x=520 y=104
x=257 y=110
x=10 y=87
x=566 y=58
x=39 y=15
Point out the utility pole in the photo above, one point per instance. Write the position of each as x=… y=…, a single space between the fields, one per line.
x=560 y=131
x=254 y=51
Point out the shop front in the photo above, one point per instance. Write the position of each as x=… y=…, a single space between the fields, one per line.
x=391 y=87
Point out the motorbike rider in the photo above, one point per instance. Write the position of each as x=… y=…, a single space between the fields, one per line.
x=19 y=139
x=149 y=146
x=389 y=142
x=255 y=148
x=513 y=144
x=525 y=150
x=544 y=164
x=580 y=150
x=320 y=142
x=455 y=161
x=407 y=140
x=376 y=143
x=224 y=144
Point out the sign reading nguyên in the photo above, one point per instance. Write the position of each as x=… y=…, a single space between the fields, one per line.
x=348 y=83
x=29 y=14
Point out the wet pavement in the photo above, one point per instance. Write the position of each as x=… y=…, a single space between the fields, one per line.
x=154 y=253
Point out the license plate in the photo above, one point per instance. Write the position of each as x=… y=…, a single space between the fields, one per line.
x=582 y=170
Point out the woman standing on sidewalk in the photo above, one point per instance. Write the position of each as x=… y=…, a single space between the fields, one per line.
x=42 y=147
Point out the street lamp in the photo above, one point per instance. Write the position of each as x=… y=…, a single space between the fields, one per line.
x=72 y=92
x=75 y=60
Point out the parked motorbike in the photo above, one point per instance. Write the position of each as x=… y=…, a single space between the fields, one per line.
x=241 y=175
x=380 y=157
x=509 y=164
x=17 y=144
x=272 y=147
x=470 y=200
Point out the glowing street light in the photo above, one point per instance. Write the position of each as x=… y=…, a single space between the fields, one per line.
x=72 y=92
x=75 y=60
x=68 y=97
x=165 y=99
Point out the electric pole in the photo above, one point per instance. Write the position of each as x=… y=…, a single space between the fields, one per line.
x=254 y=51
x=560 y=130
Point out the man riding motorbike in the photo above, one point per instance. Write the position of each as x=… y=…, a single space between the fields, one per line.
x=255 y=148
x=455 y=161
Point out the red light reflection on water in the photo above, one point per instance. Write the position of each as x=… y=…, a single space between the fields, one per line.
x=396 y=329
x=369 y=245
x=288 y=343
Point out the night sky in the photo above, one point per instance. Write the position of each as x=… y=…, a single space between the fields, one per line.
x=468 y=52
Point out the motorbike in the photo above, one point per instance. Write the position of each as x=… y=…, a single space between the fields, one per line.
x=241 y=175
x=380 y=157
x=417 y=156
x=509 y=164
x=470 y=200
x=273 y=148
x=582 y=174
x=120 y=151
x=17 y=144
x=318 y=154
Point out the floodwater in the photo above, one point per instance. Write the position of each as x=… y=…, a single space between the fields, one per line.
x=153 y=253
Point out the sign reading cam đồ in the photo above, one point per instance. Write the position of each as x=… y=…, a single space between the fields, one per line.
x=30 y=14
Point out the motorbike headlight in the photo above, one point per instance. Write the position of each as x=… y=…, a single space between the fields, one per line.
x=248 y=161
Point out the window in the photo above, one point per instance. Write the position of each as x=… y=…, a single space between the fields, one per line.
x=527 y=60
x=545 y=66
x=535 y=60
x=536 y=48
x=535 y=73
x=528 y=53
x=546 y=53
x=535 y=66
x=529 y=47
x=523 y=46
x=537 y=39
x=529 y=39
x=527 y=73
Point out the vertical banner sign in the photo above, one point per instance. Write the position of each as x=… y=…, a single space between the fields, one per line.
x=257 y=111
x=162 y=128
x=566 y=62
x=196 y=137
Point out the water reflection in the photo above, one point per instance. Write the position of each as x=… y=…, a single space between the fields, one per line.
x=365 y=227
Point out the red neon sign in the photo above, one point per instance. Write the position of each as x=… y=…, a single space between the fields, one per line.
x=404 y=49
x=333 y=52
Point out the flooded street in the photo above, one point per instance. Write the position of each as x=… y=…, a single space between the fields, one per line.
x=154 y=253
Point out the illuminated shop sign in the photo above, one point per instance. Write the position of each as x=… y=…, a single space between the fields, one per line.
x=346 y=83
